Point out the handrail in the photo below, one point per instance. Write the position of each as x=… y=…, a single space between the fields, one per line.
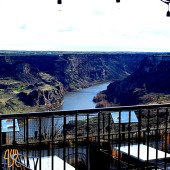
x=83 y=111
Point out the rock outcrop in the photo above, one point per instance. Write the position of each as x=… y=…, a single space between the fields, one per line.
x=24 y=87
x=148 y=84
x=51 y=99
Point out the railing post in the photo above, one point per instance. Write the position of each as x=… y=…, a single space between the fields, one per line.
x=157 y=126
x=103 y=126
x=166 y=127
x=27 y=138
x=98 y=132
x=148 y=133
x=129 y=129
x=109 y=127
x=139 y=132
x=64 y=142
x=52 y=141
x=40 y=139
x=119 y=142
x=0 y=143
x=14 y=141
x=76 y=142
x=24 y=130
x=88 y=140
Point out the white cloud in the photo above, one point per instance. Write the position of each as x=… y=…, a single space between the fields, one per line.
x=84 y=25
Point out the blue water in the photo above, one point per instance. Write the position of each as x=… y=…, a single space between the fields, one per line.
x=82 y=99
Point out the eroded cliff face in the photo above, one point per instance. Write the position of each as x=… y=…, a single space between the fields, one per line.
x=25 y=88
x=50 y=98
x=150 y=83
x=36 y=81
x=78 y=70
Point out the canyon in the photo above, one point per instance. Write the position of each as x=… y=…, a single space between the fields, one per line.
x=32 y=81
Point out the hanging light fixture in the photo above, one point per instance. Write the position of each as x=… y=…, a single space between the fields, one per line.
x=167 y=2
x=117 y=1
x=59 y=1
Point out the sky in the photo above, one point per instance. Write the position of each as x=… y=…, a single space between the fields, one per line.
x=84 y=25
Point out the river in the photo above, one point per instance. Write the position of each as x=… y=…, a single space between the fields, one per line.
x=82 y=99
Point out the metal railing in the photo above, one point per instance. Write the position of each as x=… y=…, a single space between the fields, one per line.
x=77 y=138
